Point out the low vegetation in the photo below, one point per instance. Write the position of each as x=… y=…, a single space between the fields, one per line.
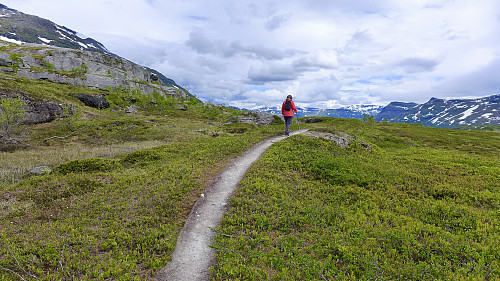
x=422 y=205
x=121 y=187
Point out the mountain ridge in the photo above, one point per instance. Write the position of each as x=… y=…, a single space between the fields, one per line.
x=16 y=26
x=436 y=112
x=33 y=32
x=451 y=113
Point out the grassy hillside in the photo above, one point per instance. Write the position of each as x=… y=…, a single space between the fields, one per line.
x=122 y=184
x=423 y=205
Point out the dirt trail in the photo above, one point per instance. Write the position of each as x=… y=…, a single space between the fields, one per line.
x=192 y=256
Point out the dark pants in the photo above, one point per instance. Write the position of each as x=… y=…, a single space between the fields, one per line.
x=288 y=122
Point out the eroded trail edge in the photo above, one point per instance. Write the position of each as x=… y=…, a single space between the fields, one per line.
x=192 y=256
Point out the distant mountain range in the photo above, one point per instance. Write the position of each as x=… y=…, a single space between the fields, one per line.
x=445 y=113
x=434 y=113
x=352 y=111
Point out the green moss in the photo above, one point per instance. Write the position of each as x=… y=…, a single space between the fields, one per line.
x=144 y=156
x=87 y=166
x=238 y=128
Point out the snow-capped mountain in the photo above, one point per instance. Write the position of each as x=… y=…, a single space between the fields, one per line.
x=394 y=110
x=17 y=27
x=303 y=111
x=445 y=113
x=434 y=113
x=352 y=111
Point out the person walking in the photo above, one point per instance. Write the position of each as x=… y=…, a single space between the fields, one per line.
x=287 y=110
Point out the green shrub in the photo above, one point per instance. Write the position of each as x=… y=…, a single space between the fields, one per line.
x=80 y=71
x=43 y=191
x=87 y=166
x=48 y=65
x=238 y=128
x=143 y=156
x=11 y=115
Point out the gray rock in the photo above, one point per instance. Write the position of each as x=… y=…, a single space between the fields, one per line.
x=133 y=109
x=181 y=107
x=343 y=140
x=42 y=112
x=95 y=101
x=249 y=119
x=264 y=118
x=42 y=170
x=313 y=120
x=255 y=118
x=86 y=69
x=37 y=112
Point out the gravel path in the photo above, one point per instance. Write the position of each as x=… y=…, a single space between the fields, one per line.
x=192 y=256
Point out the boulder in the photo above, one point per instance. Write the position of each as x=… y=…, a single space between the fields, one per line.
x=42 y=112
x=264 y=118
x=42 y=170
x=95 y=101
x=36 y=112
x=133 y=109
x=254 y=118
x=313 y=120
x=180 y=107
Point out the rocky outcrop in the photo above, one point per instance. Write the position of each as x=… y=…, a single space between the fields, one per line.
x=255 y=118
x=32 y=29
x=342 y=139
x=133 y=109
x=82 y=68
x=37 y=112
x=42 y=112
x=263 y=118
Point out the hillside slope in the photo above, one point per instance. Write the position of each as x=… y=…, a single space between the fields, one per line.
x=80 y=68
x=17 y=27
x=40 y=49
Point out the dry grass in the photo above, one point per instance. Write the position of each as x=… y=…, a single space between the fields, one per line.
x=14 y=165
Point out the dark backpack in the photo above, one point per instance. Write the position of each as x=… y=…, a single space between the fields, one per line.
x=288 y=105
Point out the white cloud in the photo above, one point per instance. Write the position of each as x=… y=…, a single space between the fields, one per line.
x=327 y=53
x=319 y=59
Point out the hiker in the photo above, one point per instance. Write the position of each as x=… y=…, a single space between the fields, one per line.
x=287 y=110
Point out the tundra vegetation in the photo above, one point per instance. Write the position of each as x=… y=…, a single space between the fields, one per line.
x=121 y=187
x=423 y=204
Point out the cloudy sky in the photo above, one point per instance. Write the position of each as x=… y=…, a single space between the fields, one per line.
x=326 y=53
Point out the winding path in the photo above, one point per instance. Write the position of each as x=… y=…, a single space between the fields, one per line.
x=192 y=256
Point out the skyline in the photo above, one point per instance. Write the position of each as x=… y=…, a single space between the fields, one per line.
x=326 y=54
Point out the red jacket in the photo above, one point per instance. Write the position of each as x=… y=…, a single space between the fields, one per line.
x=290 y=112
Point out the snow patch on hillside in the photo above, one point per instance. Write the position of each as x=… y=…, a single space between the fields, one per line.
x=468 y=112
x=44 y=40
x=11 y=40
